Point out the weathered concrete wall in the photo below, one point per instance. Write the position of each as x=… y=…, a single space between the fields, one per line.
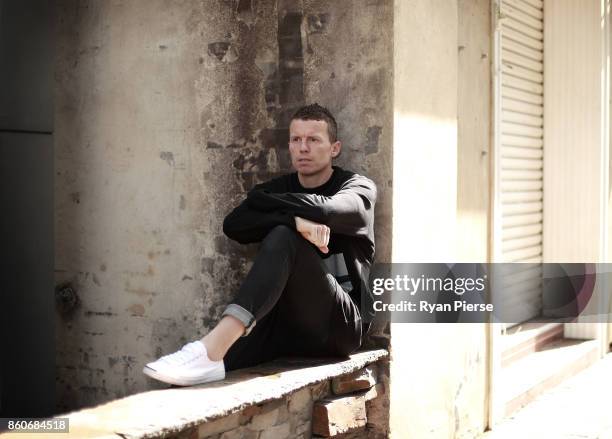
x=166 y=113
x=438 y=371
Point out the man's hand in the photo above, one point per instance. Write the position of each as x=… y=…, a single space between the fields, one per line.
x=316 y=233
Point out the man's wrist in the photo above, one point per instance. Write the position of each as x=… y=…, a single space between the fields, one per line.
x=299 y=223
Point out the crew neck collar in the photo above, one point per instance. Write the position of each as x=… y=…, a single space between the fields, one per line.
x=319 y=188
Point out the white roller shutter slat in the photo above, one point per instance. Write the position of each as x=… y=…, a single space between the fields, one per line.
x=522 y=84
x=514 y=232
x=523 y=61
x=521 y=174
x=524 y=242
x=514 y=290
x=522 y=73
x=521 y=185
x=519 y=15
x=522 y=118
x=524 y=130
x=527 y=7
x=525 y=40
x=534 y=7
x=523 y=142
x=522 y=96
x=522 y=107
x=519 y=220
x=510 y=23
x=523 y=253
x=520 y=162
x=525 y=51
x=508 y=270
x=522 y=208
x=520 y=197
x=521 y=153
x=531 y=273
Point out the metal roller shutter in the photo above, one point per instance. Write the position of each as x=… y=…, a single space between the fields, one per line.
x=519 y=165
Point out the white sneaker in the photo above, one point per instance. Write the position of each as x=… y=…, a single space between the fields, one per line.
x=186 y=367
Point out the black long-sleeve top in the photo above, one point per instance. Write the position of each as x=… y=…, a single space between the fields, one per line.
x=345 y=203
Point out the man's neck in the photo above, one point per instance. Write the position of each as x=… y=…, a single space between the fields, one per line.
x=310 y=181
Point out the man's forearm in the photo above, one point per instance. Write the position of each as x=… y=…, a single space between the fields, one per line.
x=246 y=225
x=345 y=213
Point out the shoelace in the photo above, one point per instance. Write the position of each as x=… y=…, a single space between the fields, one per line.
x=187 y=353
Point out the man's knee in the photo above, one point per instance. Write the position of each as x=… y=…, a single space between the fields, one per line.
x=279 y=237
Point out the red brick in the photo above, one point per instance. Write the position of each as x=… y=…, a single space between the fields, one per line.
x=358 y=380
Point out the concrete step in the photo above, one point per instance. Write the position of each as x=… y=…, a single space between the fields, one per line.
x=525 y=379
x=526 y=338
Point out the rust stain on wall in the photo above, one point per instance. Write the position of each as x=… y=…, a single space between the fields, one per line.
x=136 y=309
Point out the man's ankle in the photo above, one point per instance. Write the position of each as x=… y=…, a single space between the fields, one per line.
x=212 y=354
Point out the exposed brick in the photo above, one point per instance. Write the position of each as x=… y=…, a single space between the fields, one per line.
x=304 y=429
x=240 y=433
x=265 y=420
x=283 y=415
x=339 y=415
x=321 y=390
x=374 y=392
x=260 y=409
x=300 y=400
x=358 y=380
x=219 y=426
x=282 y=431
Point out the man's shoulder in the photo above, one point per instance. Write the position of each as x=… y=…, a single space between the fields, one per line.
x=347 y=175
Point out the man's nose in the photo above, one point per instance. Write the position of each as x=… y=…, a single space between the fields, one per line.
x=303 y=144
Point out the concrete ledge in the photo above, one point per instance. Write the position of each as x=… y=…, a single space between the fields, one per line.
x=161 y=413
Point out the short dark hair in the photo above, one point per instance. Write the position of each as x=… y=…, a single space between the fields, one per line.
x=318 y=112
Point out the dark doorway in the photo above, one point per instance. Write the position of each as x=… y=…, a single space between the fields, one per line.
x=27 y=343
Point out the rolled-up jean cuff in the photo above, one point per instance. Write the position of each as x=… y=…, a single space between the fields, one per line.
x=242 y=314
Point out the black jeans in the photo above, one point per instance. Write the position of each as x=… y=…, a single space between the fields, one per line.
x=291 y=305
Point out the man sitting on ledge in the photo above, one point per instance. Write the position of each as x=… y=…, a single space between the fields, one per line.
x=309 y=280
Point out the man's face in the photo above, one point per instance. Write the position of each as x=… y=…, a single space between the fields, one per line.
x=310 y=148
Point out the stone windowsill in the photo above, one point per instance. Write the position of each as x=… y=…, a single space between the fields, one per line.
x=158 y=413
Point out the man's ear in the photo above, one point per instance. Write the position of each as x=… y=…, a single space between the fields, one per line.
x=336 y=148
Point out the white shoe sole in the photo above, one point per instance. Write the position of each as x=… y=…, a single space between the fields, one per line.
x=182 y=381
